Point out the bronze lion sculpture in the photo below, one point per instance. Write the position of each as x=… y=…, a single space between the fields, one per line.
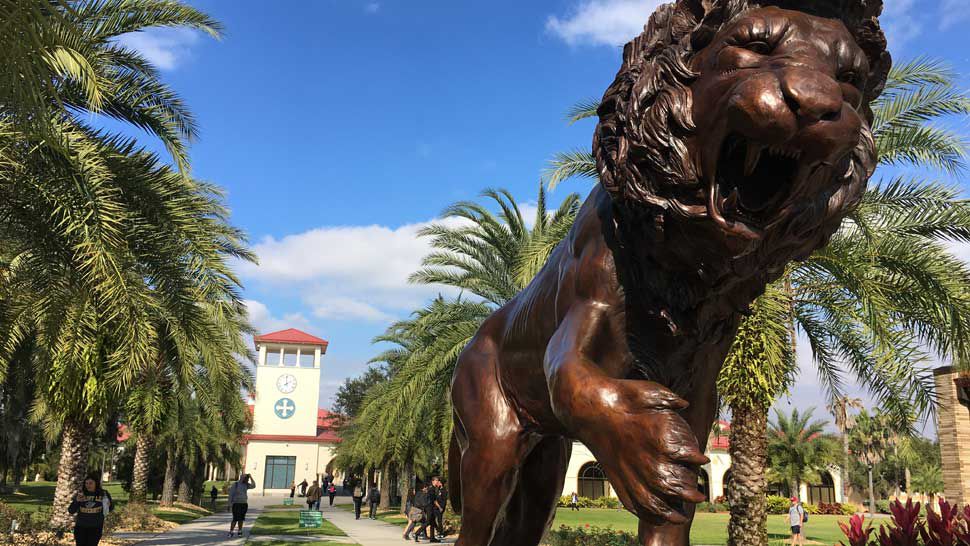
x=734 y=139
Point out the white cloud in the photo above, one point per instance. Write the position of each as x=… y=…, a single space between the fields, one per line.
x=163 y=47
x=603 y=22
x=348 y=272
x=348 y=308
x=264 y=321
x=372 y=7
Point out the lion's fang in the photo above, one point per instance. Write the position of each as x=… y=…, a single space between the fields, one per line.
x=752 y=157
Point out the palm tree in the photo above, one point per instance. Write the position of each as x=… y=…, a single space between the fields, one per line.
x=492 y=257
x=844 y=421
x=885 y=288
x=870 y=440
x=799 y=449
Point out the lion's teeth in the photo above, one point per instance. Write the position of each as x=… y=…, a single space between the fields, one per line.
x=752 y=157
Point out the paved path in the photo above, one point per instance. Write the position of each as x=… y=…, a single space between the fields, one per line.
x=212 y=530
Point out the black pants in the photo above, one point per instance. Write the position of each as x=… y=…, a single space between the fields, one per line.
x=373 y=510
x=332 y=495
x=87 y=536
x=357 y=503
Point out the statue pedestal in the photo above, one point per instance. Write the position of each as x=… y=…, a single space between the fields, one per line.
x=953 y=429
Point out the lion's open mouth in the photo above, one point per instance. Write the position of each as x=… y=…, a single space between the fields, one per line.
x=752 y=178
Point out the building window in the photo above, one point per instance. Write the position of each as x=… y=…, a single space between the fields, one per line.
x=272 y=357
x=824 y=492
x=306 y=359
x=592 y=481
x=289 y=357
x=280 y=472
x=704 y=484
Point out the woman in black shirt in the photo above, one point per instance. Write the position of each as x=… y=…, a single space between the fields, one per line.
x=91 y=504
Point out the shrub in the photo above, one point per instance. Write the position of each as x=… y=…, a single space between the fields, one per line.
x=135 y=517
x=855 y=532
x=17 y=527
x=590 y=536
x=606 y=502
x=585 y=502
x=705 y=507
x=722 y=507
x=778 y=505
x=833 y=509
x=948 y=528
x=882 y=506
x=811 y=508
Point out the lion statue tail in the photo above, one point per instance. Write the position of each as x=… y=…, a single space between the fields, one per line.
x=454 y=473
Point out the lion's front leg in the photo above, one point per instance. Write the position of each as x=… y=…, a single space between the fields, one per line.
x=647 y=450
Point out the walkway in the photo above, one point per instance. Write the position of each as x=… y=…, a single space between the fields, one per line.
x=212 y=530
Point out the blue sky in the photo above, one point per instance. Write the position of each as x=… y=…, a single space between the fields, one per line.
x=339 y=127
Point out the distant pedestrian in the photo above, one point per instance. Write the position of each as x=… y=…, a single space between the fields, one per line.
x=213 y=493
x=292 y=489
x=303 y=486
x=374 y=498
x=332 y=491
x=358 y=496
x=442 y=504
x=416 y=516
x=239 y=501
x=91 y=504
x=796 y=518
x=574 y=502
x=313 y=496
x=435 y=510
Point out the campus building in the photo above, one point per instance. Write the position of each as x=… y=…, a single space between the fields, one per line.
x=293 y=438
x=585 y=477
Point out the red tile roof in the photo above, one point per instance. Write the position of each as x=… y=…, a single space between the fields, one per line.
x=292 y=335
x=721 y=439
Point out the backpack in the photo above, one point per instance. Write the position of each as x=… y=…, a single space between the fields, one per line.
x=804 y=513
x=358 y=493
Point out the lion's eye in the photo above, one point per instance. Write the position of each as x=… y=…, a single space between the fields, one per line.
x=758 y=46
x=849 y=77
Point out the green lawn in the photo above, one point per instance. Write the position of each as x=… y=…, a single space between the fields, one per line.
x=707 y=528
x=393 y=515
x=301 y=543
x=38 y=496
x=287 y=522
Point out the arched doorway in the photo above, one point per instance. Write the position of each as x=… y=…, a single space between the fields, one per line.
x=823 y=492
x=704 y=484
x=727 y=483
x=592 y=481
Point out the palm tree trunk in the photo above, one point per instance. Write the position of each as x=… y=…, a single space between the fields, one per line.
x=185 y=486
x=749 y=453
x=168 y=487
x=385 y=487
x=907 y=476
x=139 y=482
x=75 y=445
x=408 y=484
x=872 y=494
x=845 y=466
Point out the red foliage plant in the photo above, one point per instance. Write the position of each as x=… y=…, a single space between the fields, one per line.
x=945 y=528
x=906 y=525
x=855 y=532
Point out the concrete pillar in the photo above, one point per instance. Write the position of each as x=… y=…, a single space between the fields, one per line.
x=953 y=429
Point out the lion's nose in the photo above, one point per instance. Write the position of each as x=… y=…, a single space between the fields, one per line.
x=811 y=95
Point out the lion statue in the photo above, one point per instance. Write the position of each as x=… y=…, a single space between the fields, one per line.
x=734 y=139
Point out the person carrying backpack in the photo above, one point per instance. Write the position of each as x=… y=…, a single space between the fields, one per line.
x=332 y=491
x=358 y=496
x=797 y=518
x=374 y=498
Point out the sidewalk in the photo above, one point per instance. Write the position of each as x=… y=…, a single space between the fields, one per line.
x=368 y=532
x=205 y=531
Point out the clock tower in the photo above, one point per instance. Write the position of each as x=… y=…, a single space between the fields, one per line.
x=287 y=394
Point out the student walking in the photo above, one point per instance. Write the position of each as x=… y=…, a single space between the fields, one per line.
x=213 y=493
x=292 y=489
x=313 y=496
x=416 y=516
x=91 y=504
x=574 y=502
x=441 y=502
x=358 y=496
x=303 y=486
x=239 y=501
x=374 y=498
x=796 y=518
x=332 y=491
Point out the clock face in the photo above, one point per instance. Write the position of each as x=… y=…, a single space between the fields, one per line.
x=286 y=383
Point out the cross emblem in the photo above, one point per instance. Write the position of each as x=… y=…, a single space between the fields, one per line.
x=284 y=408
